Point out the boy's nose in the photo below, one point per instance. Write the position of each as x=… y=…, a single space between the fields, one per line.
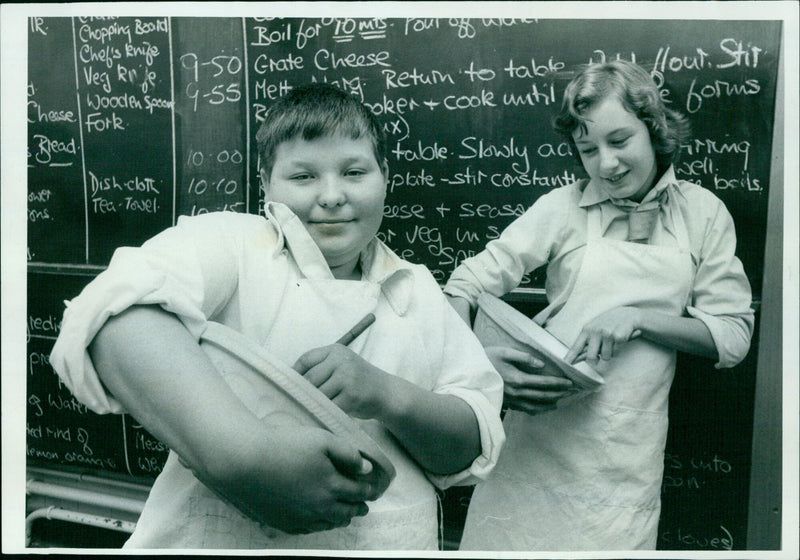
x=331 y=193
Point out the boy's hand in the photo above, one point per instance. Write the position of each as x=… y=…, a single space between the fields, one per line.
x=601 y=338
x=526 y=385
x=355 y=385
x=297 y=479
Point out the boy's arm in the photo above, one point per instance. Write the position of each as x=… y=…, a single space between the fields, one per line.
x=423 y=421
x=439 y=431
x=296 y=482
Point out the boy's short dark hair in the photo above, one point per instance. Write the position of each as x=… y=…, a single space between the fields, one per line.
x=314 y=111
x=637 y=92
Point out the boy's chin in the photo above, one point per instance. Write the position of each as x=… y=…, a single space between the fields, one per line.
x=340 y=260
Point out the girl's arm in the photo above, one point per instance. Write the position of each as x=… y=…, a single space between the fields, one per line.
x=685 y=334
x=601 y=337
x=462 y=307
x=526 y=387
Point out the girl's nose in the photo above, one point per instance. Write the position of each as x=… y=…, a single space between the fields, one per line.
x=331 y=193
x=608 y=160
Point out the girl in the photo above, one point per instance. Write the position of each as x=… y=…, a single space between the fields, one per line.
x=639 y=265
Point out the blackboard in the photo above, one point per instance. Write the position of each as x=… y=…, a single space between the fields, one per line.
x=60 y=429
x=134 y=121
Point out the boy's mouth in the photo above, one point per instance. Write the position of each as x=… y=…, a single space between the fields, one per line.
x=330 y=222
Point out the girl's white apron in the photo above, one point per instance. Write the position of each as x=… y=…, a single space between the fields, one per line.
x=588 y=476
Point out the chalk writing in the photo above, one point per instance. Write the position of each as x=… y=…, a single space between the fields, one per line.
x=718 y=89
x=41 y=115
x=739 y=54
x=531 y=69
x=690 y=540
x=134 y=121
x=48 y=326
x=693 y=473
x=37 y=25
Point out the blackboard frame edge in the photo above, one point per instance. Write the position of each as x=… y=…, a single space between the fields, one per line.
x=765 y=511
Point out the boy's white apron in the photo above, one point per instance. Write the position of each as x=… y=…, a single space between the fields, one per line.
x=316 y=311
x=588 y=476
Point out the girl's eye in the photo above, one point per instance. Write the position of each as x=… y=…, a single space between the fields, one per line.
x=620 y=142
x=588 y=151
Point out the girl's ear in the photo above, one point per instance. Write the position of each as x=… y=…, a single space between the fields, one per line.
x=264 y=182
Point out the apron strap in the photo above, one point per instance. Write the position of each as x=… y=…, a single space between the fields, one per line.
x=594 y=223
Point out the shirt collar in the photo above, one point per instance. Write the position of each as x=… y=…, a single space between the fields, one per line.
x=594 y=194
x=379 y=264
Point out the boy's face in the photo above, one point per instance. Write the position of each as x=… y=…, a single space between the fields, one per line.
x=336 y=187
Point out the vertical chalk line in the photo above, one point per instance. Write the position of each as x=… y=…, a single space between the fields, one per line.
x=172 y=103
x=83 y=150
x=247 y=114
x=125 y=445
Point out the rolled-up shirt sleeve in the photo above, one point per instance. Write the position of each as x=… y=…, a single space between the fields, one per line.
x=164 y=271
x=721 y=296
x=467 y=373
x=522 y=247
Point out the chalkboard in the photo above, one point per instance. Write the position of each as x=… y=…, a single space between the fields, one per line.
x=60 y=429
x=135 y=121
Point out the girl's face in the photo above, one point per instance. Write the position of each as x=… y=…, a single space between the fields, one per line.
x=337 y=188
x=616 y=150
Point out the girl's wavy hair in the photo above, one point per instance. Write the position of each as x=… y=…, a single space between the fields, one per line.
x=637 y=92
x=314 y=111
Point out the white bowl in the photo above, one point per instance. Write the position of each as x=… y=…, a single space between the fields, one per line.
x=276 y=393
x=499 y=324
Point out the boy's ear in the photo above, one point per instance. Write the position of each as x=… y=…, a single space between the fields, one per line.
x=385 y=169
x=264 y=182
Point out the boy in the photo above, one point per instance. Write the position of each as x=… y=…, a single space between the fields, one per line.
x=417 y=379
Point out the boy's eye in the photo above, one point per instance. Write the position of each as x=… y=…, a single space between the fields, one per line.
x=354 y=172
x=587 y=151
x=300 y=177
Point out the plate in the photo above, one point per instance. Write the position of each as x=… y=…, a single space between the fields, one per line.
x=270 y=388
x=499 y=324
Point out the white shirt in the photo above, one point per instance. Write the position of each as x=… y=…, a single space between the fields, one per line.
x=553 y=232
x=235 y=269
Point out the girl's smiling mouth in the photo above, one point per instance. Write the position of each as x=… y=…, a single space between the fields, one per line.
x=617 y=178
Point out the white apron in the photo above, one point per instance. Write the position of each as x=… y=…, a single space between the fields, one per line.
x=315 y=311
x=588 y=476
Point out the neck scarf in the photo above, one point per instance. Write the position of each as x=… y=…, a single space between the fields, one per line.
x=642 y=215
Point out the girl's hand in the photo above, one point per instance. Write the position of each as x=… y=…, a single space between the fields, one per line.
x=601 y=338
x=527 y=387
x=355 y=385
